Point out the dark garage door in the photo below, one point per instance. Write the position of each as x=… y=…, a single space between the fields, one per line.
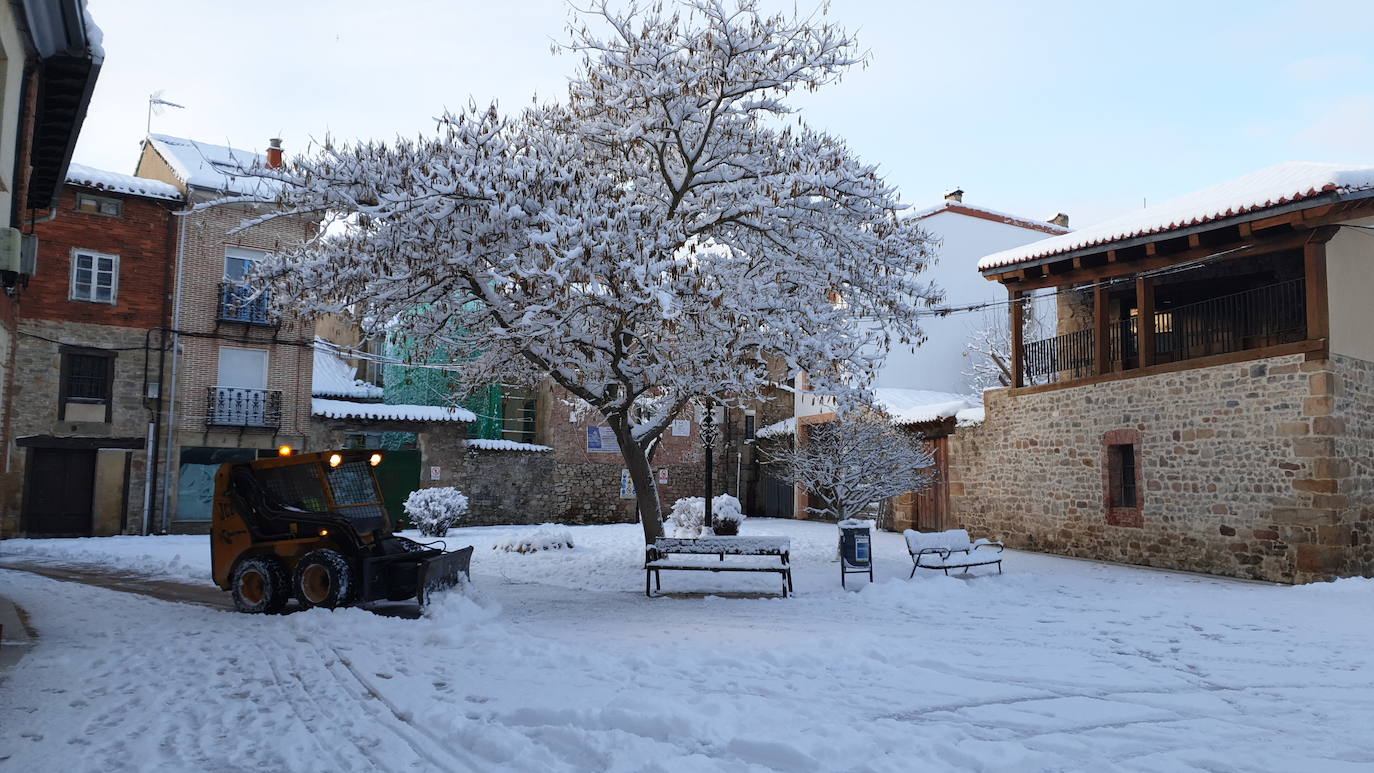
x=58 y=492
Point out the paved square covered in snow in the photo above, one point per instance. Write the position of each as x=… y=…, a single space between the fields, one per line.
x=556 y=661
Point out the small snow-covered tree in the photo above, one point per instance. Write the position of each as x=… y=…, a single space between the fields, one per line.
x=435 y=510
x=861 y=458
x=659 y=235
x=988 y=348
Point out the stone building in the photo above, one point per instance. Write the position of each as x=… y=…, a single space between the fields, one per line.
x=241 y=382
x=1208 y=403
x=87 y=360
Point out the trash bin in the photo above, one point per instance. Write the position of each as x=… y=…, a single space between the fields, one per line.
x=856 y=542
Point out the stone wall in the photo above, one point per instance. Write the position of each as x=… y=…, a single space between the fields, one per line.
x=1259 y=469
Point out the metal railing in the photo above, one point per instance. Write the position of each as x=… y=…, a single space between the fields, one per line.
x=1250 y=319
x=239 y=407
x=239 y=303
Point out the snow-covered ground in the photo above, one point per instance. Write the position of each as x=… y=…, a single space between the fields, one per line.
x=556 y=661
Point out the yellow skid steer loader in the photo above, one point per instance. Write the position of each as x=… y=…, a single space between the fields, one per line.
x=313 y=527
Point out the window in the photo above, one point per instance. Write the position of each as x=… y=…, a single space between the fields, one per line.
x=238 y=262
x=95 y=276
x=87 y=380
x=1121 y=478
x=99 y=205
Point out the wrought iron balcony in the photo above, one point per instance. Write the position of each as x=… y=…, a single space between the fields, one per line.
x=239 y=303
x=1252 y=319
x=238 y=407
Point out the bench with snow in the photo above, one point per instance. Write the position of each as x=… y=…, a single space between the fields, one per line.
x=707 y=554
x=950 y=550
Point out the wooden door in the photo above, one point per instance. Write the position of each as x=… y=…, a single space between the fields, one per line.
x=931 y=507
x=58 y=492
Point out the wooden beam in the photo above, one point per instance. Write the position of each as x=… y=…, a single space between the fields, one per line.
x=1018 y=349
x=1194 y=241
x=1314 y=268
x=1151 y=249
x=1145 y=320
x=1102 y=350
x=1111 y=256
x=1292 y=241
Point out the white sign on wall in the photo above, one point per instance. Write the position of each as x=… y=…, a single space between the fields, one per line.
x=627 y=486
x=682 y=427
x=434 y=473
x=663 y=477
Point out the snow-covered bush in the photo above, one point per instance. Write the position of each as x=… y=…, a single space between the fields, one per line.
x=549 y=536
x=436 y=510
x=726 y=514
x=688 y=516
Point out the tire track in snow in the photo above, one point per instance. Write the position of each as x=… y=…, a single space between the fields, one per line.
x=315 y=707
x=426 y=745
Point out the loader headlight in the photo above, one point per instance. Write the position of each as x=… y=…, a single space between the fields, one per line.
x=335 y=460
x=284 y=451
x=375 y=460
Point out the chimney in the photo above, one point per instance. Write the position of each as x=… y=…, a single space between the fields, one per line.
x=1061 y=220
x=274 y=153
x=955 y=195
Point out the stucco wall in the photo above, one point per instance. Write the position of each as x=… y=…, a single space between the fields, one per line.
x=1257 y=470
x=1350 y=282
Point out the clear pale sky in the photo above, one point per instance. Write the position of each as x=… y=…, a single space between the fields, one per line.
x=1032 y=107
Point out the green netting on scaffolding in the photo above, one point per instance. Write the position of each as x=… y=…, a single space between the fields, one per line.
x=411 y=385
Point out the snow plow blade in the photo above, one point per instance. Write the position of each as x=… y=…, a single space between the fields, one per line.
x=442 y=571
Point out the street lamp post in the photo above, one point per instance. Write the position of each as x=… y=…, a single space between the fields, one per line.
x=709 y=432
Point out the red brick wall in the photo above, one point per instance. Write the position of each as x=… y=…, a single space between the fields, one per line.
x=142 y=239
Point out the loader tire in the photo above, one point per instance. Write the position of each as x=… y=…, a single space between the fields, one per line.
x=259 y=585
x=324 y=579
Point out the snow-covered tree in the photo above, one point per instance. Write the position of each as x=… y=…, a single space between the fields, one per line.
x=850 y=463
x=659 y=234
x=988 y=348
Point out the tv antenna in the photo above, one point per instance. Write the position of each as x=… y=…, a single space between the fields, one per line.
x=157 y=106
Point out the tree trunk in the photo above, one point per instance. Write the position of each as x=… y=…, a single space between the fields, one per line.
x=642 y=475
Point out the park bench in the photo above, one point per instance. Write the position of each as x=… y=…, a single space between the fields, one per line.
x=747 y=554
x=950 y=550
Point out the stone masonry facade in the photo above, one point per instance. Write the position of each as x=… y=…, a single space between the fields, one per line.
x=1259 y=470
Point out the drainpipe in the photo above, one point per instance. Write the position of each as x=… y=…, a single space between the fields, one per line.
x=172 y=413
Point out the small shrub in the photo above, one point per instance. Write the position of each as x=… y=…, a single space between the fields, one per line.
x=549 y=536
x=436 y=510
x=726 y=514
x=689 y=514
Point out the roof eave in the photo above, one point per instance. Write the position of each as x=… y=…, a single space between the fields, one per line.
x=1326 y=197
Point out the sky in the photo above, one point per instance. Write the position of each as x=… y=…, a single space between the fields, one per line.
x=1087 y=108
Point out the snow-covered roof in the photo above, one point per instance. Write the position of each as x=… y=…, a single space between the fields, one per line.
x=1268 y=187
x=218 y=168
x=916 y=406
x=970 y=417
x=983 y=213
x=345 y=409
x=113 y=182
x=505 y=445
x=333 y=377
x=785 y=427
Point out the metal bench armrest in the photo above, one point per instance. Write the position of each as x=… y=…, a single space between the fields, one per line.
x=990 y=544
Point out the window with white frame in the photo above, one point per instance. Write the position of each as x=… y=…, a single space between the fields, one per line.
x=95 y=276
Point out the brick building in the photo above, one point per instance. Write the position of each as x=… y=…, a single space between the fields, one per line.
x=240 y=386
x=48 y=69
x=1208 y=402
x=88 y=357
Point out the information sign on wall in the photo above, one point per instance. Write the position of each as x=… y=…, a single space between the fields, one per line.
x=601 y=440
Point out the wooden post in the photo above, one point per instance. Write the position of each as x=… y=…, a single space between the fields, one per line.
x=1314 y=264
x=1102 y=345
x=1145 y=320
x=1018 y=344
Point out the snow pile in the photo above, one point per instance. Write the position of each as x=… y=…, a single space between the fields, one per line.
x=436 y=510
x=333 y=377
x=483 y=444
x=1268 y=187
x=970 y=417
x=173 y=557
x=101 y=180
x=548 y=536
x=858 y=523
x=346 y=409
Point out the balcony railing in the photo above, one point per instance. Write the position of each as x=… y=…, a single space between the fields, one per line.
x=1252 y=319
x=238 y=303
x=238 y=407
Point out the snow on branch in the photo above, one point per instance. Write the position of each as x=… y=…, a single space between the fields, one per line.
x=854 y=461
